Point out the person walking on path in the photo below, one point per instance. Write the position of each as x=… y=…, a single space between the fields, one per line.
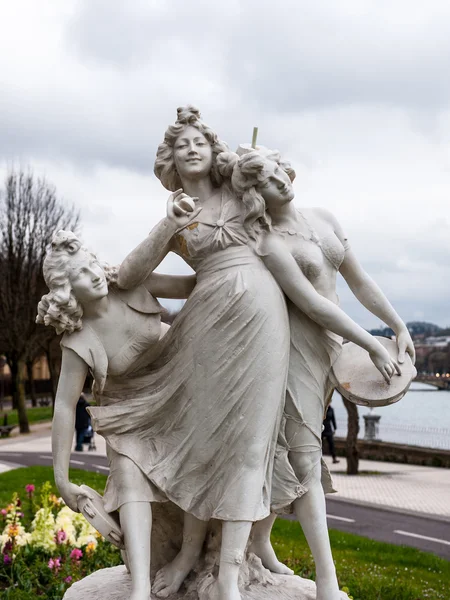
x=82 y=422
x=329 y=427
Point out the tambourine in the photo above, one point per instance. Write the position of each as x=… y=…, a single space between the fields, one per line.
x=359 y=381
x=105 y=523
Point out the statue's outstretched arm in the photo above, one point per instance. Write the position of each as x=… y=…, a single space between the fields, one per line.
x=170 y=286
x=144 y=259
x=302 y=293
x=370 y=295
x=70 y=388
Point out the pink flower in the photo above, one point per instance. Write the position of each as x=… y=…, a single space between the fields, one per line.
x=61 y=536
x=4 y=511
x=29 y=488
x=76 y=554
x=7 y=560
x=68 y=579
x=54 y=563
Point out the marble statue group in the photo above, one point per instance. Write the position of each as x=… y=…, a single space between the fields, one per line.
x=219 y=415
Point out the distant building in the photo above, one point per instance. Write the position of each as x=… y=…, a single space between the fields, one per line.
x=40 y=369
x=441 y=341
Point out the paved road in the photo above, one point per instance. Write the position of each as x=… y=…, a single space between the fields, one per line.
x=422 y=532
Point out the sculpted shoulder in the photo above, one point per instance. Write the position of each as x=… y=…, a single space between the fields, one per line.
x=323 y=216
x=271 y=244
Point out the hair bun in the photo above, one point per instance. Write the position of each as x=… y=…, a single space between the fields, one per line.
x=188 y=114
x=226 y=161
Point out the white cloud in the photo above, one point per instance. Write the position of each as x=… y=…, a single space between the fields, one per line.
x=355 y=93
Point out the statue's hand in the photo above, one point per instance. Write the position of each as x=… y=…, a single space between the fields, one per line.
x=383 y=361
x=70 y=492
x=405 y=344
x=178 y=215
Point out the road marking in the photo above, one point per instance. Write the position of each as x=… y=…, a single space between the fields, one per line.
x=77 y=462
x=11 y=453
x=341 y=519
x=45 y=456
x=101 y=467
x=422 y=537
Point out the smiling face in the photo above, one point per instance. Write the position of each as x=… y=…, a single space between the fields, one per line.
x=276 y=187
x=87 y=278
x=192 y=154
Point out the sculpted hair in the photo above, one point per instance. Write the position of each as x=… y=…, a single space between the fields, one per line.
x=60 y=308
x=246 y=172
x=165 y=169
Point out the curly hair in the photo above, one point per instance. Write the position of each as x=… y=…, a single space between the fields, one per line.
x=246 y=171
x=60 y=307
x=165 y=169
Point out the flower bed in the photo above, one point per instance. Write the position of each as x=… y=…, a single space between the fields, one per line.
x=45 y=546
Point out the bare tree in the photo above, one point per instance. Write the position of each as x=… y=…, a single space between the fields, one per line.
x=30 y=213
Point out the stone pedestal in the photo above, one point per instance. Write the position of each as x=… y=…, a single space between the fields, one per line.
x=115 y=584
x=255 y=582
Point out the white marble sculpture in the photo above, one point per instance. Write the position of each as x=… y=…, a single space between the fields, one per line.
x=214 y=416
x=106 y=331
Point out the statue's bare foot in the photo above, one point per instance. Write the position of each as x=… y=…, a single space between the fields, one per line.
x=327 y=588
x=168 y=580
x=263 y=550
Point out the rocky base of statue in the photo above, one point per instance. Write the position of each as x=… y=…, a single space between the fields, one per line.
x=255 y=582
x=115 y=584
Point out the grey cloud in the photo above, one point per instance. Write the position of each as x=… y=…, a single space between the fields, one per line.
x=293 y=56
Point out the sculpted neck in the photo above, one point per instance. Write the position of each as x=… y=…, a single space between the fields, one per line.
x=282 y=214
x=201 y=188
x=96 y=308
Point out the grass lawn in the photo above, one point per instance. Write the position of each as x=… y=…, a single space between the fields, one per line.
x=370 y=570
x=17 y=479
x=35 y=415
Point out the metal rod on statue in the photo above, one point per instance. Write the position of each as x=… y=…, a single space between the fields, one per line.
x=255 y=135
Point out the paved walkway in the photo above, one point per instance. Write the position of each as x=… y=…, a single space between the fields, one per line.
x=405 y=488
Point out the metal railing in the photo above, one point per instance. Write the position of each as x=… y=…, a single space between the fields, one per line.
x=414 y=435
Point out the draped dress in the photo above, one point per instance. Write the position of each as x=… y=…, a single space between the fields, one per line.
x=141 y=317
x=202 y=420
x=313 y=350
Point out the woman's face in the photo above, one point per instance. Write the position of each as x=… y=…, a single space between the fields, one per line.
x=192 y=154
x=87 y=278
x=276 y=188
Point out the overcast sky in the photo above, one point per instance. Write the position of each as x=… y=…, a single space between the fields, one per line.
x=355 y=93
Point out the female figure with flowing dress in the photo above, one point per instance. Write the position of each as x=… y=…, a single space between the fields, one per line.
x=305 y=250
x=106 y=331
x=203 y=425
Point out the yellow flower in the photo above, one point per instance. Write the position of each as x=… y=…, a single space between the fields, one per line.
x=54 y=500
x=90 y=548
x=13 y=531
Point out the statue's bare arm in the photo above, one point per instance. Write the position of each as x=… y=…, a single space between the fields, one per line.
x=370 y=295
x=170 y=286
x=302 y=293
x=70 y=386
x=141 y=262
x=144 y=259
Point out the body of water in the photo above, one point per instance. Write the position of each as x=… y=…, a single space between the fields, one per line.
x=421 y=418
